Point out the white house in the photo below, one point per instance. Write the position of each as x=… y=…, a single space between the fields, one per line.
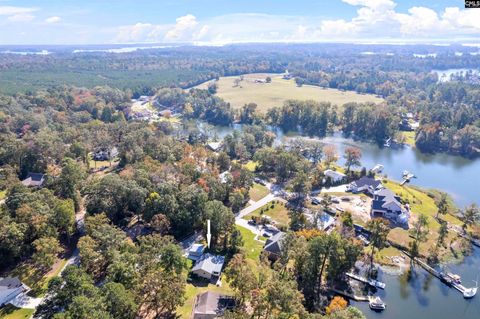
x=366 y=185
x=386 y=204
x=209 y=266
x=10 y=287
x=335 y=177
x=196 y=252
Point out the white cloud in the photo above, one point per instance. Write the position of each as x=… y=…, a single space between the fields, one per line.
x=53 y=20
x=17 y=14
x=183 y=26
x=375 y=20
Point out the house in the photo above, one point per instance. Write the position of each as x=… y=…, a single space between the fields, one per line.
x=10 y=287
x=367 y=185
x=195 y=252
x=105 y=154
x=34 y=180
x=209 y=305
x=387 y=204
x=335 y=177
x=273 y=246
x=209 y=266
x=325 y=221
x=215 y=146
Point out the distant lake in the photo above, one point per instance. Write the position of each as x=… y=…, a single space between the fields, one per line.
x=445 y=75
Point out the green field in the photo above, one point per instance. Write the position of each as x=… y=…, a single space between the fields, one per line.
x=278 y=213
x=11 y=312
x=268 y=95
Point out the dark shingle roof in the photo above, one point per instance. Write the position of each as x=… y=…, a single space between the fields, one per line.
x=10 y=282
x=212 y=303
x=34 y=179
x=274 y=243
x=367 y=181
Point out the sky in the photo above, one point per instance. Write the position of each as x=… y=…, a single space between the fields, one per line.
x=236 y=21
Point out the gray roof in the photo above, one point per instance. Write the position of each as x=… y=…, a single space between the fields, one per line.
x=367 y=181
x=212 y=303
x=274 y=243
x=210 y=263
x=10 y=282
x=384 y=197
x=34 y=179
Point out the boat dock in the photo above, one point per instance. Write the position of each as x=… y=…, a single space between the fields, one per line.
x=446 y=278
x=371 y=282
x=349 y=295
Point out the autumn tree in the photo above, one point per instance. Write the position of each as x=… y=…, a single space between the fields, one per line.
x=379 y=229
x=352 y=157
x=330 y=154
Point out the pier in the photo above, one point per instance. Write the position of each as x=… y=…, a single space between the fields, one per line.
x=466 y=292
x=371 y=282
x=349 y=295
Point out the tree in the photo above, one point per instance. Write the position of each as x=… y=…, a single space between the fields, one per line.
x=221 y=220
x=337 y=303
x=442 y=205
x=65 y=217
x=240 y=277
x=352 y=157
x=69 y=180
x=379 y=229
x=46 y=251
x=161 y=293
x=160 y=224
x=330 y=154
x=419 y=233
x=301 y=184
x=442 y=233
x=471 y=215
x=235 y=241
x=119 y=301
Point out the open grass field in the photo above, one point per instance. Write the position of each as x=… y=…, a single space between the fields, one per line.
x=279 y=213
x=409 y=138
x=12 y=312
x=258 y=191
x=253 y=248
x=268 y=95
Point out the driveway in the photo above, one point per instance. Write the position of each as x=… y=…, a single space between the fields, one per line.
x=255 y=206
x=24 y=301
x=335 y=189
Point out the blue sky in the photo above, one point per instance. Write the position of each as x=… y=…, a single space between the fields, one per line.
x=227 y=21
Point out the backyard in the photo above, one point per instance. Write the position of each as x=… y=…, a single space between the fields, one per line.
x=275 y=210
x=258 y=191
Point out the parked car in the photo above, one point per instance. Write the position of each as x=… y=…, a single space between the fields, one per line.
x=335 y=200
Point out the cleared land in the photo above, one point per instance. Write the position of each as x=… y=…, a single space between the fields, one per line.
x=258 y=192
x=278 y=213
x=268 y=95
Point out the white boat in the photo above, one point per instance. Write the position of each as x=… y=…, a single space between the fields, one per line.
x=470 y=293
x=376 y=303
x=377 y=169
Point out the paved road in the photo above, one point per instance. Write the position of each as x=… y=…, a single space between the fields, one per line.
x=256 y=205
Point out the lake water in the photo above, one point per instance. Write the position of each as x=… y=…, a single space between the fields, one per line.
x=445 y=75
x=423 y=296
x=420 y=296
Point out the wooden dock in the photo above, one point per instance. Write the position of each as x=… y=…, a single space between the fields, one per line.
x=371 y=282
x=464 y=290
x=349 y=295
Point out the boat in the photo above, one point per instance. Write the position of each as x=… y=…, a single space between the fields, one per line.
x=376 y=303
x=377 y=169
x=470 y=292
x=405 y=173
x=388 y=142
x=455 y=278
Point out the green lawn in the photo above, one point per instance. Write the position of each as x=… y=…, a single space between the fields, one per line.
x=274 y=94
x=38 y=282
x=258 y=191
x=253 y=248
x=12 y=312
x=409 y=137
x=279 y=213
x=250 y=165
